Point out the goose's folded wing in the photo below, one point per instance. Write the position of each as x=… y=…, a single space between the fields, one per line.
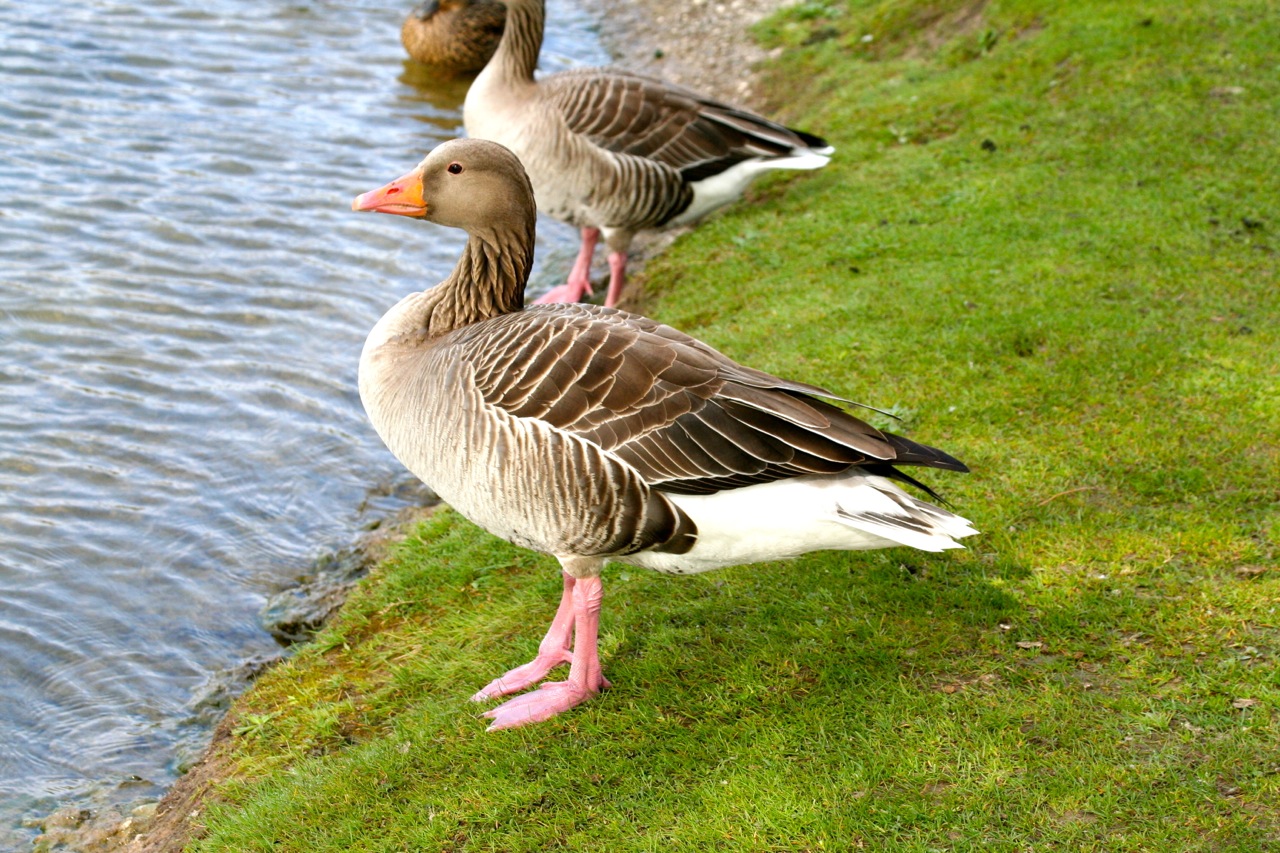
x=686 y=417
x=647 y=118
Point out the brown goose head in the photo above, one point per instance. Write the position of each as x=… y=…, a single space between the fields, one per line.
x=472 y=184
x=454 y=36
x=480 y=187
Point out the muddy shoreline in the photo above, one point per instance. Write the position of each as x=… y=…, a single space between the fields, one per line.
x=702 y=44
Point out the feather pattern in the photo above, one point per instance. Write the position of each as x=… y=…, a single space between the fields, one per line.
x=642 y=117
x=673 y=410
x=686 y=417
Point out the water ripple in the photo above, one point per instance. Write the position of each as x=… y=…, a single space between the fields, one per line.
x=183 y=297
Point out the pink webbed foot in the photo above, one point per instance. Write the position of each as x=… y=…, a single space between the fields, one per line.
x=521 y=677
x=542 y=704
x=577 y=623
x=552 y=651
x=567 y=292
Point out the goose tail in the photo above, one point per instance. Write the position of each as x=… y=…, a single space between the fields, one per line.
x=816 y=144
x=880 y=508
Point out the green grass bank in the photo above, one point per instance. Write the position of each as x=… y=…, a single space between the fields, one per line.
x=1048 y=243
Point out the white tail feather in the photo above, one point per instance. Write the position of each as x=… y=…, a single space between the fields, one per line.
x=786 y=518
x=728 y=186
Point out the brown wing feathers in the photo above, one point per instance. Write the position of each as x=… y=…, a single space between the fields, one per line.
x=685 y=417
x=634 y=115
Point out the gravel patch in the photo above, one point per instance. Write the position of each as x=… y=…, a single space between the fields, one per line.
x=702 y=44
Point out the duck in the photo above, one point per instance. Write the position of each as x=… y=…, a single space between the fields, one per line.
x=614 y=153
x=453 y=36
x=601 y=436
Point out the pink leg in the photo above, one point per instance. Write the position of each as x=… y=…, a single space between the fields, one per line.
x=580 y=275
x=617 y=277
x=585 y=677
x=579 y=283
x=552 y=651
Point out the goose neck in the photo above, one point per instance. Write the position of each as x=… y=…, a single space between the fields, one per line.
x=488 y=281
x=517 y=54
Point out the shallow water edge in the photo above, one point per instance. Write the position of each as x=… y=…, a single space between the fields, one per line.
x=652 y=36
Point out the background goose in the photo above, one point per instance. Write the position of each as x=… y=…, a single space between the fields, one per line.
x=596 y=435
x=455 y=36
x=614 y=153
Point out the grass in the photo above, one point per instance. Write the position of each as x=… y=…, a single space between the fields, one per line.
x=1048 y=242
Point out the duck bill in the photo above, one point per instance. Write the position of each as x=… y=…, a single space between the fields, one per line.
x=403 y=197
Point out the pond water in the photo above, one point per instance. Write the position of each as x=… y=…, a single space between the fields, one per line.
x=184 y=292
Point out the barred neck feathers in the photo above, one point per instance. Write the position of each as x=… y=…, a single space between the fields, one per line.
x=517 y=54
x=488 y=281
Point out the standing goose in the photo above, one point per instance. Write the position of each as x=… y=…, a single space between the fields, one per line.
x=596 y=435
x=614 y=152
x=455 y=36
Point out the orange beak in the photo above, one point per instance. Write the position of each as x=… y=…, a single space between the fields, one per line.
x=403 y=197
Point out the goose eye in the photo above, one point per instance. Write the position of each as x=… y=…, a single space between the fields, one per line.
x=455 y=168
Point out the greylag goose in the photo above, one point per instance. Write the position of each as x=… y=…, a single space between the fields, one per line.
x=597 y=435
x=454 y=36
x=615 y=153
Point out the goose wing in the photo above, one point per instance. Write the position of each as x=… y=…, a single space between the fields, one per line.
x=684 y=416
x=642 y=117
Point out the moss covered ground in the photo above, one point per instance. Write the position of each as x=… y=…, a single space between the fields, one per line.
x=1048 y=244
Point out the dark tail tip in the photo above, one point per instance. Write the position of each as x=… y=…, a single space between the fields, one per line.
x=811 y=140
x=913 y=453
